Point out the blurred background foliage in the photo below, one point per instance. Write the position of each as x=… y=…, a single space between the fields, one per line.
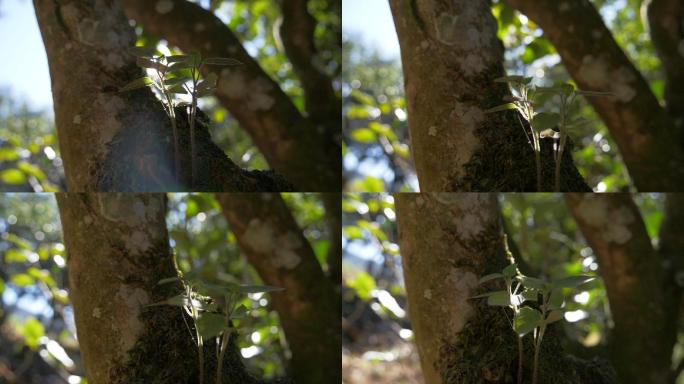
x=37 y=330
x=376 y=330
x=255 y=22
x=375 y=130
x=29 y=153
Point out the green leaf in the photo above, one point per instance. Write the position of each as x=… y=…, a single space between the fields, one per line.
x=572 y=281
x=22 y=280
x=137 y=83
x=2 y=286
x=211 y=325
x=209 y=81
x=486 y=294
x=526 y=321
x=545 y=120
x=364 y=285
x=364 y=135
x=145 y=62
x=531 y=282
x=218 y=290
x=491 y=276
x=180 y=65
x=499 y=298
x=178 y=89
x=13 y=255
x=511 y=270
x=221 y=61
x=12 y=176
x=179 y=80
x=32 y=330
x=556 y=299
x=502 y=107
x=239 y=312
x=31 y=170
x=530 y=294
x=554 y=316
x=42 y=275
x=177 y=58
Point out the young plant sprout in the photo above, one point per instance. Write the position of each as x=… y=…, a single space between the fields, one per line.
x=542 y=122
x=212 y=307
x=173 y=75
x=535 y=304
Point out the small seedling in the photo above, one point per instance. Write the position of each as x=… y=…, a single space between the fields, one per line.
x=543 y=123
x=211 y=306
x=173 y=75
x=535 y=304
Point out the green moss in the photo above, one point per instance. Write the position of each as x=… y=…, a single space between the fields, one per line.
x=486 y=352
x=505 y=161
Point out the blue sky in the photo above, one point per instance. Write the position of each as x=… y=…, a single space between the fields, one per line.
x=24 y=70
x=372 y=21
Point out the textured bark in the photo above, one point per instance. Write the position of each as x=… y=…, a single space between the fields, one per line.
x=309 y=307
x=118 y=251
x=297 y=33
x=649 y=141
x=303 y=150
x=638 y=287
x=667 y=33
x=449 y=241
x=113 y=141
x=451 y=56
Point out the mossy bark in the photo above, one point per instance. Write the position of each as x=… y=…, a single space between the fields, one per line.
x=448 y=241
x=310 y=307
x=451 y=56
x=118 y=250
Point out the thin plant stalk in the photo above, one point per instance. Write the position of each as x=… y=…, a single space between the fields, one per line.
x=200 y=342
x=193 y=111
x=172 y=117
x=520 y=360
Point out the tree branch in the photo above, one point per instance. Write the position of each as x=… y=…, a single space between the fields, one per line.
x=309 y=308
x=450 y=57
x=667 y=33
x=643 y=131
x=634 y=279
x=304 y=153
x=297 y=34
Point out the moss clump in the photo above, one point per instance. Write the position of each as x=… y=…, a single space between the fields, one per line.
x=505 y=160
x=140 y=158
x=486 y=352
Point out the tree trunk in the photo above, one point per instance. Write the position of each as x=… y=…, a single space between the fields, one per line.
x=306 y=150
x=309 y=308
x=449 y=241
x=640 y=290
x=118 y=251
x=113 y=141
x=649 y=140
x=451 y=57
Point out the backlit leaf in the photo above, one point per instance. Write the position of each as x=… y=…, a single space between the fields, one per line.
x=137 y=83
x=211 y=325
x=526 y=321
